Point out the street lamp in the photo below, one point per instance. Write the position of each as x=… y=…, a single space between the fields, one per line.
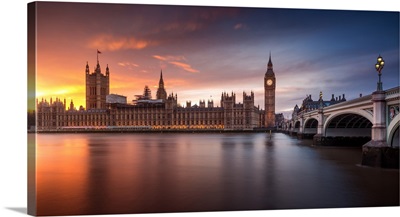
x=379 y=66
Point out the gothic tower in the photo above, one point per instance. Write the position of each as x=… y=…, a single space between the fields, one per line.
x=248 y=105
x=161 y=93
x=269 y=94
x=97 y=86
x=228 y=103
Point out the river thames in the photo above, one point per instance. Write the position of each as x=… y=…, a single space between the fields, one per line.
x=154 y=172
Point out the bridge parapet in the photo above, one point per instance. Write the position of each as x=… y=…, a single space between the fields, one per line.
x=393 y=92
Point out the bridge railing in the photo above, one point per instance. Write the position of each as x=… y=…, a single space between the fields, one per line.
x=392 y=91
x=390 y=94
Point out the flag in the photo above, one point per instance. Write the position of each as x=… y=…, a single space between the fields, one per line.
x=98 y=51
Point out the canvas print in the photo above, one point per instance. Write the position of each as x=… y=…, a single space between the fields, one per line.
x=136 y=108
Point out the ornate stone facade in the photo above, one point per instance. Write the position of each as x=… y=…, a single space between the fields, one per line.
x=167 y=115
x=146 y=113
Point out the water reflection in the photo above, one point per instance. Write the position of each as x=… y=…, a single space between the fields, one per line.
x=142 y=173
x=62 y=173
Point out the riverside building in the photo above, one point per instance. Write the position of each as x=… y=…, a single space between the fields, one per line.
x=111 y=111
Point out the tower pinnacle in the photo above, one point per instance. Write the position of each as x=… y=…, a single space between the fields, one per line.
x=161 y=93
x=161 y=82
x=269 y=61
x=87 y=68
x=270 y=70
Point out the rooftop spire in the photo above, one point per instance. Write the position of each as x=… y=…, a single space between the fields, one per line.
x=161 y=82
x=270 y=70
x=161 y=93
x=269 y=61
x=107 y=71
x=87 y=67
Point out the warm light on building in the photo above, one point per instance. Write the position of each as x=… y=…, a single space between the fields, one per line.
x=112 y=112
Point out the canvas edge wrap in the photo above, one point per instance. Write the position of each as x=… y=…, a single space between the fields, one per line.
x=31 y=137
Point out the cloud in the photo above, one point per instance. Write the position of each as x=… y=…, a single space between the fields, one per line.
x=112 y=43
x=127 y=64
x=239 y=26
x=160 y=57
x=178 y=61
x=185 y=23
x=170 y=58
x=285 y=90
x=185 y=27
x=184 y=66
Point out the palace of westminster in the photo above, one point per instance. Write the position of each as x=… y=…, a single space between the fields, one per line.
x=112 y=112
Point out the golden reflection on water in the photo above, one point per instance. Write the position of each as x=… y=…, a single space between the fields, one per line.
x=152 y=173
x=62 y=172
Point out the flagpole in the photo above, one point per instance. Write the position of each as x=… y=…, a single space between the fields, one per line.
x=97 y=56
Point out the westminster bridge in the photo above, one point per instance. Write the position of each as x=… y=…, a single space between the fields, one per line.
x=371 y=121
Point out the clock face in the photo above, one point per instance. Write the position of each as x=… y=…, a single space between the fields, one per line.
x=269 y=82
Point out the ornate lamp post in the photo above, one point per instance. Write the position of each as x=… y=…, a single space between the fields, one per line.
x=379 y=66
x=377 y=153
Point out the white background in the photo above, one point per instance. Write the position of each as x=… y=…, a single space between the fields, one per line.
x=13 y=154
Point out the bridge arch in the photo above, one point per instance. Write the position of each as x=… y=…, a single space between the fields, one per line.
x=349 y=123
x=296 y=127
x=393 y=132
x=310 y=126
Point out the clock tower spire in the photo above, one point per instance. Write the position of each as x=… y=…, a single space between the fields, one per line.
x=269 y=94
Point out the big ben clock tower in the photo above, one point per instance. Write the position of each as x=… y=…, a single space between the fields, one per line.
x=269 y=93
